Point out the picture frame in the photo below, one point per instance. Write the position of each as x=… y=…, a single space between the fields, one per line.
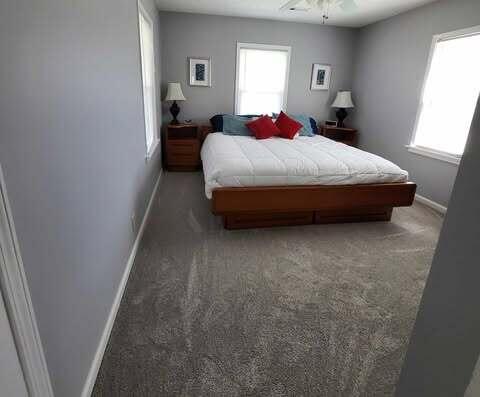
x=200 y=72
x=331 y=123
x=321 y=76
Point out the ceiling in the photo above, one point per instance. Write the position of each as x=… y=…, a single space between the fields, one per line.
x=366 y=12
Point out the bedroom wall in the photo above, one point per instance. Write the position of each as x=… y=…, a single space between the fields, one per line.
x=194 y=35
x=390 y=65
x=444 y=345
x=73 y=153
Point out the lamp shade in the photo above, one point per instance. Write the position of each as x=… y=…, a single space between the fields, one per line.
x=174 y=92
x=343 y=100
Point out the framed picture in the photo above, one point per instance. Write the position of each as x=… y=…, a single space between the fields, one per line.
x=200 y=70
x=321 y=77
x=331 y=123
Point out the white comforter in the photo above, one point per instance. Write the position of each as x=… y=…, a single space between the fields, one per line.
x=239 y=161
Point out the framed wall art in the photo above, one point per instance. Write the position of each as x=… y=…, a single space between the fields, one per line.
x=321 y=77
x=200 y=72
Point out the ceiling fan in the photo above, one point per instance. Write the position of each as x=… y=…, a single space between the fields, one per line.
x=305 y=5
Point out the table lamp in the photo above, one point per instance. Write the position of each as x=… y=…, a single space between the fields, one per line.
x=342 y=101
x=174 y=93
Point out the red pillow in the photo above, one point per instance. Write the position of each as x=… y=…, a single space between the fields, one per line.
x=263 y=128
x=288 y=127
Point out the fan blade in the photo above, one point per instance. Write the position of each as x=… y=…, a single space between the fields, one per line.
x=289 y=4
x=348 y=5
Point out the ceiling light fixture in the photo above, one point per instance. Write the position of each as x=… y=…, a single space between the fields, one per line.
x=326 y=11
x=346 y=6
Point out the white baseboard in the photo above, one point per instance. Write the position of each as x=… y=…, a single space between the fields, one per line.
x=432 y=204
x=97 y=360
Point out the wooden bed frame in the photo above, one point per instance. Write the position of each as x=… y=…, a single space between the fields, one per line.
x=254 y=207
x=249 y=207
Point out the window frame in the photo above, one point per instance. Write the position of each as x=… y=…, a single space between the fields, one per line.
x=265 y=47
x=422 y=150
x=149 y=151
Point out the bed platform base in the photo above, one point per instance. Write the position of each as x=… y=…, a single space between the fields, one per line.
x=255 y=207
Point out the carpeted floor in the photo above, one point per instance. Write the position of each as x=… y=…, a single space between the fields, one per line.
x=300 y=311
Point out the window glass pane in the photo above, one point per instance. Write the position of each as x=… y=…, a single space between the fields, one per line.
x=147 y=55
x=450 y=95
x=262 y=80
x=260 y=103
x=149 y=121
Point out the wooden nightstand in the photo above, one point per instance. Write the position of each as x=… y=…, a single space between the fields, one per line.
x=182 y=147
x=348 y=136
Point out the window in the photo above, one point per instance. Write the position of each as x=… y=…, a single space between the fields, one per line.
x=262 y=78
x=148 y=79
x=449 y=97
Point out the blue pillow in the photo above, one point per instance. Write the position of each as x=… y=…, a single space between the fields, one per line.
x=314 y=125
x=309 y=124
x=307 y=129
x=217 y=121
x=235 y=125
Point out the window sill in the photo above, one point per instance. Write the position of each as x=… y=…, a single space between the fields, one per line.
x=442 y=156
x=152 y=150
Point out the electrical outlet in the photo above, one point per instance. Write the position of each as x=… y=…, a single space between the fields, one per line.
x=134 y=223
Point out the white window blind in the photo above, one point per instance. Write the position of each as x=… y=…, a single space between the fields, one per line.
x=148 y=79
x=450 y=94
x=262 y=78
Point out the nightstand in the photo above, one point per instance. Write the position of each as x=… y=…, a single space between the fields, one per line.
x=345 y=135
x=182 y=147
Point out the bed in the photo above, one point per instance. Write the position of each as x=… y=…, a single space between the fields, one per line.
x=276 y=182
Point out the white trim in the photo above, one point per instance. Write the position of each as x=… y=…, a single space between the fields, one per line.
x=265 y=47
x=153 y=149
x=436 y=39
x=434 y=154
x=19 y=304
x=472 y=31
x=149 y=150
x=97 y=360
x=432 y=204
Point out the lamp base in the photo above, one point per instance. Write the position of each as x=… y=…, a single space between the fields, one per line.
x=174 y=110
x=341 y=115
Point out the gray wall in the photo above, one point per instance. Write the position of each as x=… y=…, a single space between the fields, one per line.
x=73 y=152
x=390 y=64
x=186 y=35
x=445 y=343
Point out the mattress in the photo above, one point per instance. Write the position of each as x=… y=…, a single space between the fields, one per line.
x=241 y=161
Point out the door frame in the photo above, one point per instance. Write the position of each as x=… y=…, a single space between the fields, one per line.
x=14 y=288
